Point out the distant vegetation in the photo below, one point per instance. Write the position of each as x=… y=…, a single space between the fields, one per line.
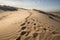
x=39 y=11
x=8 y=8
x=50 y=15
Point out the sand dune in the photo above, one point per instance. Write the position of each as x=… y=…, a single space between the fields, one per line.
x=28 y=25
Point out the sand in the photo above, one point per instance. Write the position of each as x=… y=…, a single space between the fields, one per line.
x=28 y=25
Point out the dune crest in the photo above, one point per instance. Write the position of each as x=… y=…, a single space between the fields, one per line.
x=25 y=24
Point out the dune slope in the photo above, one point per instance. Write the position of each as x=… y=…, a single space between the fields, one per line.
x=28 y=25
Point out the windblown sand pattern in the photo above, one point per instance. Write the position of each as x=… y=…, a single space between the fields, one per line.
x=28 y=25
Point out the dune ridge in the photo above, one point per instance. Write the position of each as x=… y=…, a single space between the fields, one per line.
x=26 y=24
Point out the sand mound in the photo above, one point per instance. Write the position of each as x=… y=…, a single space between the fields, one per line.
x=28 y=25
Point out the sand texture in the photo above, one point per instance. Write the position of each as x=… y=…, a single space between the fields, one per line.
x=28 y=25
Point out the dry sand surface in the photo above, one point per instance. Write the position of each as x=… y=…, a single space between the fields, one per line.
x=28 y=25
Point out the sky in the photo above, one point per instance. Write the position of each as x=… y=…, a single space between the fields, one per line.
x=45 y=5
